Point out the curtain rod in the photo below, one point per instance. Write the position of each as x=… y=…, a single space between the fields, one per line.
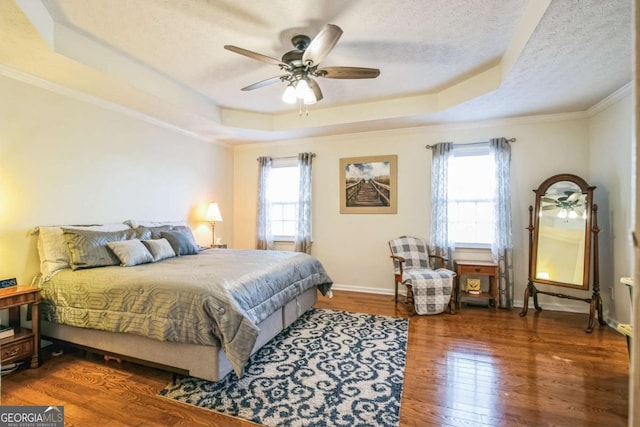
x=286 y=157
x=429 y=147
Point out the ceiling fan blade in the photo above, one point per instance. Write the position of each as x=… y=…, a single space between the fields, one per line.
x=349 y=73
x=256 y=56
x=548 y=199
x=321 y=45
x=548 y=208
x=263 y=83
x=313 y=85
x=574 y=196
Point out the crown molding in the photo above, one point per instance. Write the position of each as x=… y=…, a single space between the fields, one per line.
x=611 y=99
x=41 y=83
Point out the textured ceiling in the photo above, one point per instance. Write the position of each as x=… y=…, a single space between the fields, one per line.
x=439 y=60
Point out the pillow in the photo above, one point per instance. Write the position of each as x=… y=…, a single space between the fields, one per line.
x=131 y=252
x=52 y=247
x=89 y=249
x=147 y=233
x=160 y=249
x=133 y=223
x=182 y=243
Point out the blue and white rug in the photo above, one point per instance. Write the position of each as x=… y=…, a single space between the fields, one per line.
x=329 y=368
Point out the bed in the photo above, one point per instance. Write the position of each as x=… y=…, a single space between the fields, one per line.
x=201 y=314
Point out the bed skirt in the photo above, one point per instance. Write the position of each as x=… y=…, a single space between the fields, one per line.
x=201 y=361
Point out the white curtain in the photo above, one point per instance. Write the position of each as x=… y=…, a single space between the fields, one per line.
x=502 y=247
x=264 y=237
x=303 y=210
x=440 y=243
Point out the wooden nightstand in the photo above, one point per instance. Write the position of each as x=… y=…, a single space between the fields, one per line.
x=25 y=343
x=478 y=268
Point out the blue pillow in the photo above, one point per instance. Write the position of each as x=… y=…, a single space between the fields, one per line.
x=181 y=242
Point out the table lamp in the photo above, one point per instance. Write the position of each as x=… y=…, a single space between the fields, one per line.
x=213 y=215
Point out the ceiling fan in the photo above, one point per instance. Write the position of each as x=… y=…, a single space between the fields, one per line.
x=300 y=66
x=571 y=204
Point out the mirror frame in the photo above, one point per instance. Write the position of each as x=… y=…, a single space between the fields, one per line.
x=587 y=190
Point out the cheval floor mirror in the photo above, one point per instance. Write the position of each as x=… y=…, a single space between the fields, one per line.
x=563 y=235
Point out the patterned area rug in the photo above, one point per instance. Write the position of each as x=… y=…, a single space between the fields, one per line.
x=329 y=368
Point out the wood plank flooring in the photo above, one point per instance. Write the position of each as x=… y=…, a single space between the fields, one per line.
x=474 y=368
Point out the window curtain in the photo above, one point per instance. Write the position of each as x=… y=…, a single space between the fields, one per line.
x=440 y=243
x=303 y=211
x=502 y=247
x=264 y=237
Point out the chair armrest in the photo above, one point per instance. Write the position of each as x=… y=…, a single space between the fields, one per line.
x=400 y=260
x=397 y=258
x=442 y=261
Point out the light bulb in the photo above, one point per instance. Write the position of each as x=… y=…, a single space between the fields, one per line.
x=289 y=95
x=302 y=89
x=310 y=98
x=573 y=214
x=563 y=213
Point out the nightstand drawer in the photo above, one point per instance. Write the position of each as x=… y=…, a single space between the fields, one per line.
x=17 y=350
x=476 y=269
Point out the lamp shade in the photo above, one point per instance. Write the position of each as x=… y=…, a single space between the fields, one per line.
x=213 y=213
x=289 y=95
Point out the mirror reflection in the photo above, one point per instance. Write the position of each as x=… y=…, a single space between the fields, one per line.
x=562 y=234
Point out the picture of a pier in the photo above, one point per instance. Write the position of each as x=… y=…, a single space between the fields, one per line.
x=368 y=184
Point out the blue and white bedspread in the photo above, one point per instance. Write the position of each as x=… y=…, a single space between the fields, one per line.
x=217 y=297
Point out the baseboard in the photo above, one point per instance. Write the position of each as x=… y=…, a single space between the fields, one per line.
x=550 y=306
x=362 y=289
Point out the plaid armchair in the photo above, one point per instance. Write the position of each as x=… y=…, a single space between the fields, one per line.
x=414 y=267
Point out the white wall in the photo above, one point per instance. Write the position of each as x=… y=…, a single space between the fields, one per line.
x=354 y=248
x=63 y=161
x=611 y=137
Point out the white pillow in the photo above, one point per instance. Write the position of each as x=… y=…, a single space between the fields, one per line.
x=159 y=248
x=52 y=248
x=134 y=223
x=131 y=252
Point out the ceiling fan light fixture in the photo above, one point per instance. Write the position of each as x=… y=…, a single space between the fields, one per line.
x=310 y=99
x=303 y=91
x=289 y=95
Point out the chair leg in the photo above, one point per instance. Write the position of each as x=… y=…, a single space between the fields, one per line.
x=396 y=298
x=410 y=301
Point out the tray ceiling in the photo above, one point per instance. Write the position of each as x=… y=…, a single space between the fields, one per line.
x=440 y=61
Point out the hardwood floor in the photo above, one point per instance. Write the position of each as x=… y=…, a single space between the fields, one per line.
x=473 y=368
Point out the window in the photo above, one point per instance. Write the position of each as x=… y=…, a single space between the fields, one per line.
x=283 y=193
x=471 y=192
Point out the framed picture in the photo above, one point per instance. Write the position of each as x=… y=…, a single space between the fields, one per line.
x=368 y=185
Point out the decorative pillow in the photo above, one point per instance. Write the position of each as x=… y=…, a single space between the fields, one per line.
x=181 y=242
x=186 y=230
x=89 y=249
x=152 y=232
x=131 y=252
x=134 y=223
x=159 y=248
x=52 y=247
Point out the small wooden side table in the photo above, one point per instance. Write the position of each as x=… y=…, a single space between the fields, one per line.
x=478 y=268
x=25 y=343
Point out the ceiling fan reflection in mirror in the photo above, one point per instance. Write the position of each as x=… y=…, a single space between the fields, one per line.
x=300 y=66
x=569 y=206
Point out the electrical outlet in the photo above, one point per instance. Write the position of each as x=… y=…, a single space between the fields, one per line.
x=613 y=293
